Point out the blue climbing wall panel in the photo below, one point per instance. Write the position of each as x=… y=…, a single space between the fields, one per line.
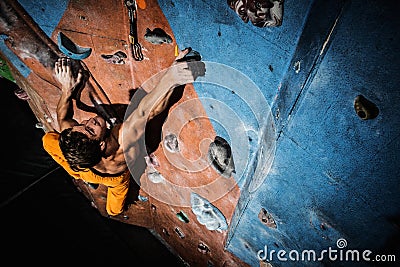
x=253 y=60
x=334 y=175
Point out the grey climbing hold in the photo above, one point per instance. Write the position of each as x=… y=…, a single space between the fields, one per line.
x=220 y=157
x=157 y=36
x=207 y=214
x=153 y=175
x=171 y=143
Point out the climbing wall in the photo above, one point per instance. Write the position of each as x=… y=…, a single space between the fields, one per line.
x=176 y=199
x=332 y=91
x=288 y=143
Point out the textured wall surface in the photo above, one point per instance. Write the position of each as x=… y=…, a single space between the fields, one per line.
x=334 y=175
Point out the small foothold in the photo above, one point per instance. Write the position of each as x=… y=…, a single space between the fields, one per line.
x=152 y=161
x=179 y=233
x=220 y=157
x=48 y=119
x=155 y=177
x=266 y=218
x=21 y=94
x=203 y=248
x=152 y=173
x=39 y=125
x=297 y=67
x=142 y=198
x=165 y=231
x=116 y=58
x=171 y=143
x=365 y=109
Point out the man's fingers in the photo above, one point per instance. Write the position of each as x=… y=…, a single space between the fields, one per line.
x=183 y=53
x=64 y=72
x=79 y=77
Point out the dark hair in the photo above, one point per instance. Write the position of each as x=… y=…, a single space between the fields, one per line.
x=80 y=151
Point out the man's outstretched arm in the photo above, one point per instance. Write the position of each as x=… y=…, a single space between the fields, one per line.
x=156 y=100
x=63 y=73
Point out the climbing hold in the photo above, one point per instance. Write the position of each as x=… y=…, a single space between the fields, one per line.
x=153 y=175
x=21 y=94
x=266 y=218
x=141 y=4
x=261 y=13
x=220 y=157
x=47 y=118
x=157 y=36
x=39 y=125
x=116 y=58
x=171 y=143
x=203 y=248
x=142 y=198
x=70 y=49
x=297 y=67
x=92 y=185
x=151 y=160
x=207 y=214
x=179 y=232
x=192 y=55
x=182 y=217
x=365 y=109
x=165 y=232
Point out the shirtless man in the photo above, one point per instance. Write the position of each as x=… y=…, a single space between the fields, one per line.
x=93 y=153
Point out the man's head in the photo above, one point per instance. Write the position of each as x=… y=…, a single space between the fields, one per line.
x=83 y=145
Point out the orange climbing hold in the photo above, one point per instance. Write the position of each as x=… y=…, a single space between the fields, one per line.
x=141 y=4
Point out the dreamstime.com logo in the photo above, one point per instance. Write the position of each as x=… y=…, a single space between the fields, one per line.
x=340 y=253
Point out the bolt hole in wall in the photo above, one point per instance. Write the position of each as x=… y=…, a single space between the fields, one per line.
x=365 y=109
